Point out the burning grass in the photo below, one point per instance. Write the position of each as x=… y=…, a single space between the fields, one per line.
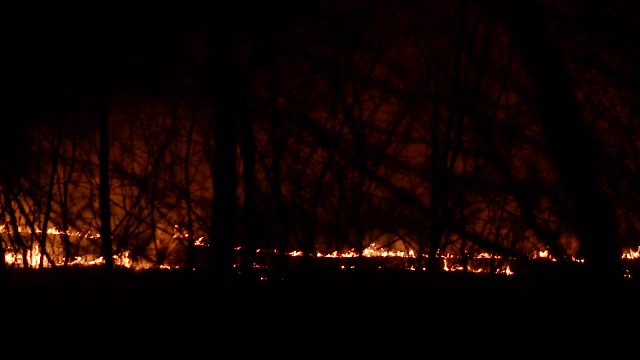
x=373 y=256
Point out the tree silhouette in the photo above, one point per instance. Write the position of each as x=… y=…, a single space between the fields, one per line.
x=322 y=119
x=571 y=147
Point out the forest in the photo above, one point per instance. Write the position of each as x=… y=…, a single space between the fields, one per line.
x=222 y=140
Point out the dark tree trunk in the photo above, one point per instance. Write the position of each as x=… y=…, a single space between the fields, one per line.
x=64 y=208
x=104 y=189
x=48 y=206
x=224 y=83
x=191 y=241
x=13 y=221
x=3 y=265
x=571 y=146
x=249 y=233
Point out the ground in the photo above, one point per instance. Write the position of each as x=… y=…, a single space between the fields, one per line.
x=322 y=314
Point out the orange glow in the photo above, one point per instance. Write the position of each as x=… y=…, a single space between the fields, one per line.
x=450 y=262
x=631 y=254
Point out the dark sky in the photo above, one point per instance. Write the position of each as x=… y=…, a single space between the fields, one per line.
x=54 y=53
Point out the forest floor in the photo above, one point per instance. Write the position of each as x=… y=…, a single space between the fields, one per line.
x=341 y=314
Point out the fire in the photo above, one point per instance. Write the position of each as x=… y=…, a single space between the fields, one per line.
x=51 y=231
x=371 y=251
x=449 y=262
x=631 y=254
x=507 y=271
x=374 y=251
x=543 y=254
x=123 y=259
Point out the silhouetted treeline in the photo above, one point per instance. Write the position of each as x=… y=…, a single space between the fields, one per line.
x=458 y=127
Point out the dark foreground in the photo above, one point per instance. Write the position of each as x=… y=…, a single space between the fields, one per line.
x=342 y=314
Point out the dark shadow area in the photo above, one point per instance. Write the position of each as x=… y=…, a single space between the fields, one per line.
x=170 y=315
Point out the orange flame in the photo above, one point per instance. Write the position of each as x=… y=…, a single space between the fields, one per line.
x=14 y=258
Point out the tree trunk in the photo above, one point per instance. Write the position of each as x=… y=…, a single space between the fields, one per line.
x=13 y=221
x=224 y=82
x=3 y=265
x=104 y=190
x=64 y=208
x=191 y=245
x=248 y=148
x=47 y=210
x=571 y=147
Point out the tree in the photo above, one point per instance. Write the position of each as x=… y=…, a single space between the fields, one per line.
x=591 y=212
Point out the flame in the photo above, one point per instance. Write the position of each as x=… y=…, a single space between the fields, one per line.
x=630 y=254
x=123 y=259
x=543 y=254
x=371 y=251
x=450 y=262
x=51 y=231
x=507 y=271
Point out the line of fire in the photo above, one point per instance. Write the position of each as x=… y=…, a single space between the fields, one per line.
x=357 y=179
x=283 y=136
